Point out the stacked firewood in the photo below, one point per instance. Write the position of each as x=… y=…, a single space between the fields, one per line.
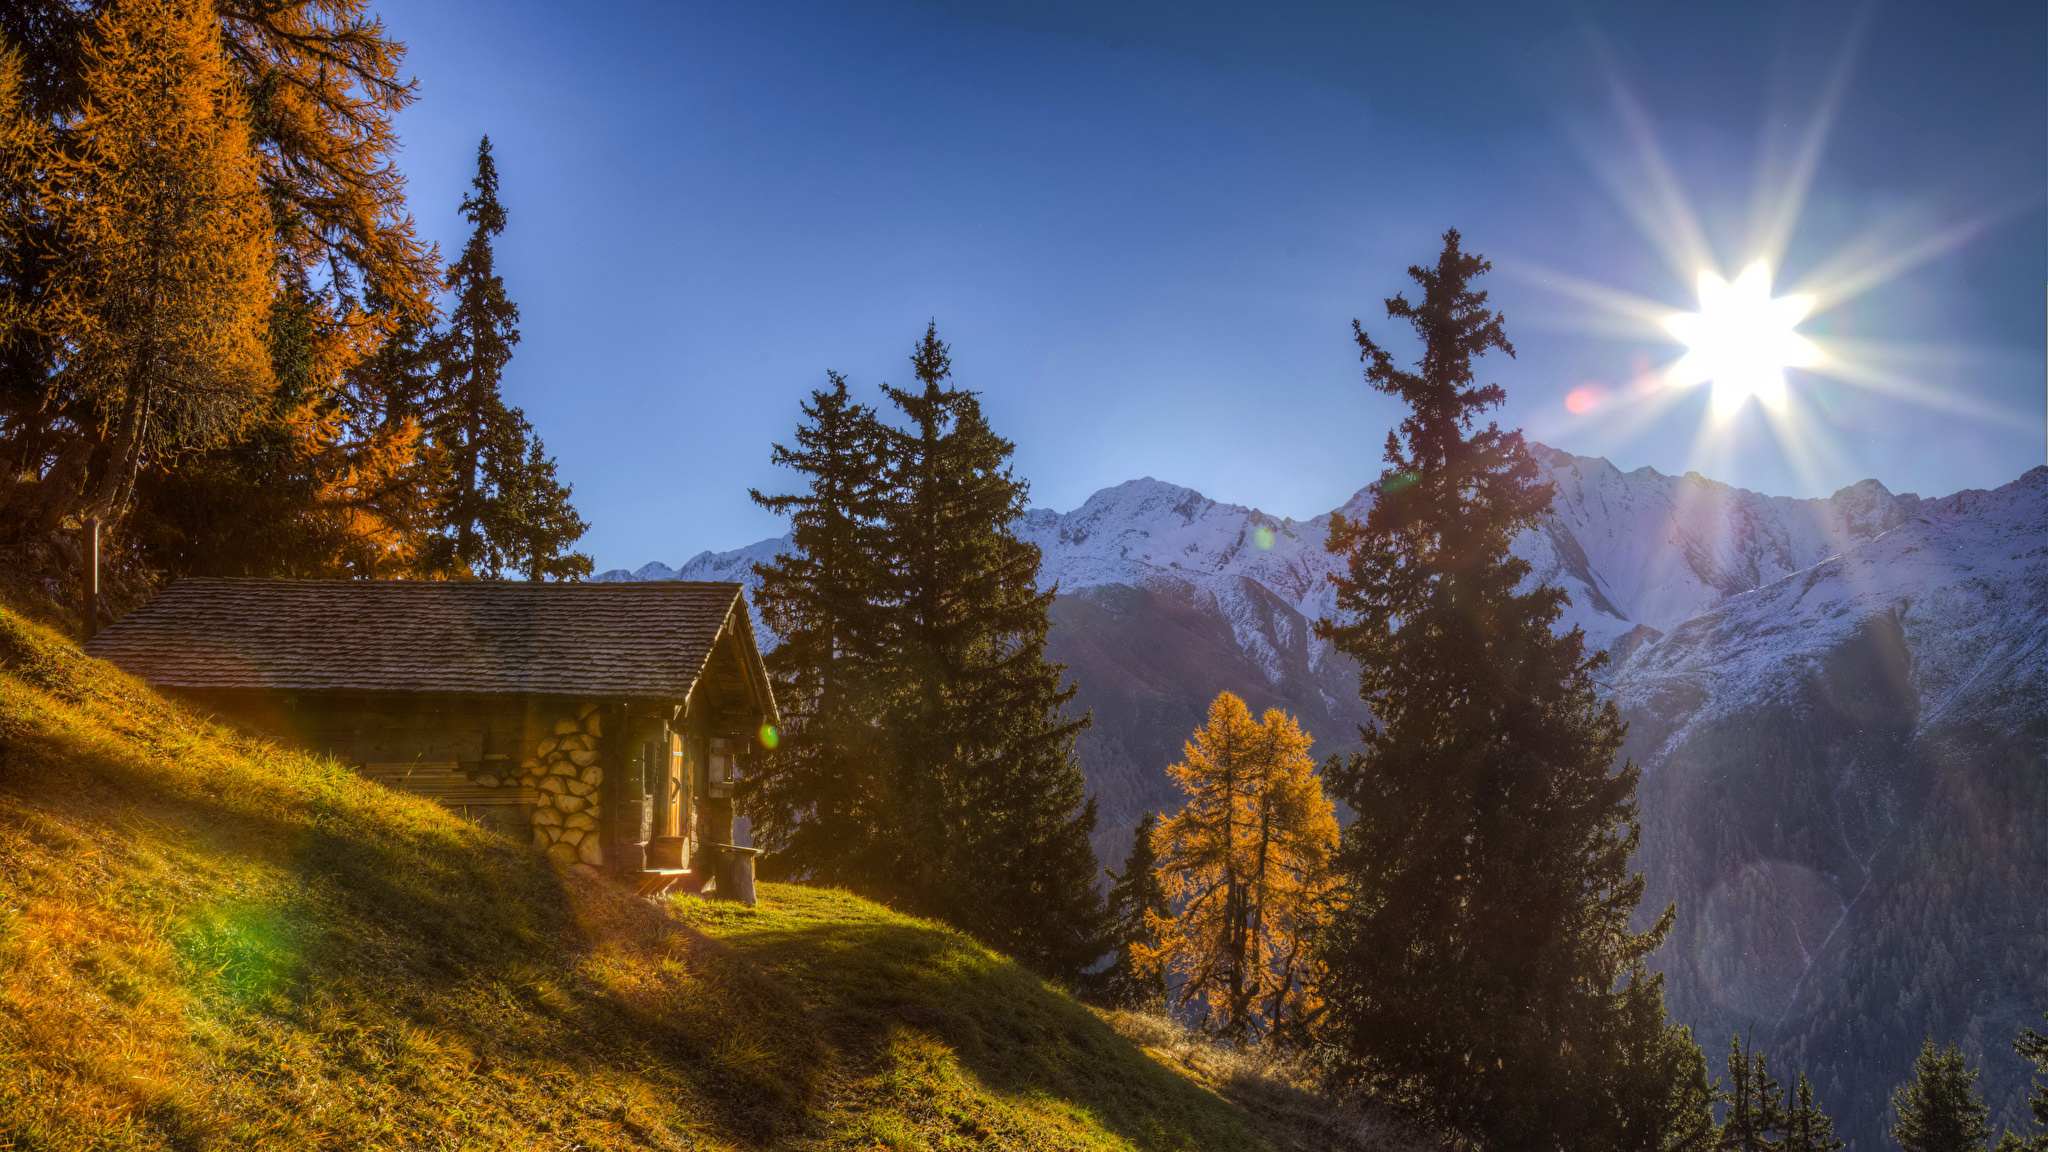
x=564 y=774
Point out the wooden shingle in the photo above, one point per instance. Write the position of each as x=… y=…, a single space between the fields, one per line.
x=636 y=640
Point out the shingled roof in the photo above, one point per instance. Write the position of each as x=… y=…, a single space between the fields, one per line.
x=637 y=640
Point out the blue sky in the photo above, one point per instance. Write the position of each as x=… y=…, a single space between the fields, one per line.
x=1145 y=227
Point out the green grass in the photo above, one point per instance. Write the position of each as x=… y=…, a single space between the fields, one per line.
x=208 y=941
x=951 y=1045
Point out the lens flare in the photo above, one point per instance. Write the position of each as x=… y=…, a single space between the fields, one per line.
x=1741 y=340
x=1263 y=537
x=770 y=737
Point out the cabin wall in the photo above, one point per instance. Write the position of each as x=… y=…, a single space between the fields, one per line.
x=527 y=767
x=600 y=783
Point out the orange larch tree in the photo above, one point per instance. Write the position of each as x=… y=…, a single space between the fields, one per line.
x=1246 y=864
x=327 y=473
x=163 y=293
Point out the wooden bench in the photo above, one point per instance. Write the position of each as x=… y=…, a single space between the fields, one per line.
x=660 y=881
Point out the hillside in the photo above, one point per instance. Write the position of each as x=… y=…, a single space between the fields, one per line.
x=210 y=942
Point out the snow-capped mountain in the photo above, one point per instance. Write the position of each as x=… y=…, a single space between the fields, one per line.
x=1962 y=580
x=1840 y=707
x=1168 y=597
x=1845 y=795
x=1640 y=552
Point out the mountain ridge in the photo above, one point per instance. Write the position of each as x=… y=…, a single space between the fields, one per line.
x=1839 y=705
x=1718 y=540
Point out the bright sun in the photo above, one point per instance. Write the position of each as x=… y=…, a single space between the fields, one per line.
x=1742 y=340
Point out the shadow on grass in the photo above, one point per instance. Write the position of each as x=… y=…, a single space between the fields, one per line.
x=867 y=979
x=317 y=917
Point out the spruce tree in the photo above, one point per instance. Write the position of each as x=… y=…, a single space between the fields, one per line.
x=1939 y=1110
x=819 y=800
x=1807 y=1128
x=1136 y=901
x=473 y=351
x=1652 y=1079
x=2033 y=1046
x=531 y=520
x=1755 y=1120
x=989 y=810
x=1481 y=956
x=500 y=502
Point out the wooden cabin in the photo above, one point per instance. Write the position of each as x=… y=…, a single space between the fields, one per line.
x=605 y=722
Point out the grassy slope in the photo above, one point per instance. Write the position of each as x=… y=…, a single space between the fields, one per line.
x=207 y=941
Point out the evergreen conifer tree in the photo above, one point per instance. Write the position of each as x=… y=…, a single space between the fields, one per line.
x=1939 y=1109
x=2033 y=1046
x=1807 y=1128
x=532 y=522
x=1136 y=901
x=819 y=800
x=988 y=810
x=500 y=501
x=1653 y=1077
x=1481 y=957
x=1755 y=1120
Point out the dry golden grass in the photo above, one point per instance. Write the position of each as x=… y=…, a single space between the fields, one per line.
x=1275 y=1090
x=208 y=941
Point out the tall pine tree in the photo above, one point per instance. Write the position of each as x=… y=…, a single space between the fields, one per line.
x=1807 y=1128
x=1137 y=902
x=1939 y=1109
x=818 y=800
x=501 y=504
x=928 y=761
x=1755 y=1120
x=1481 y=960
x=989 y=814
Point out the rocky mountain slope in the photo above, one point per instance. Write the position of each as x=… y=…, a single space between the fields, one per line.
x=1846 y=796
x=1841 y=707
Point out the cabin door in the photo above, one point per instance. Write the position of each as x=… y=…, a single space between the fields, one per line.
x=669 y=786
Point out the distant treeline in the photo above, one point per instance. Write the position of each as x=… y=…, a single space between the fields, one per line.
x=220 y=336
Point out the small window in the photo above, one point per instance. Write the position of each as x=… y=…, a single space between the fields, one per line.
x=721 y=760
x=651 y=766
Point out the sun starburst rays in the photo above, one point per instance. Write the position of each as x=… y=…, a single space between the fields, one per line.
x=1741 y=340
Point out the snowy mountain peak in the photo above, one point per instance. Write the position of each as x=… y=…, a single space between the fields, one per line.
x=1640 y=552
x=1964 y=582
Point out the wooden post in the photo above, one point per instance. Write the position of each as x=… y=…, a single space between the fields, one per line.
x=623 y=807
x=89 y=576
